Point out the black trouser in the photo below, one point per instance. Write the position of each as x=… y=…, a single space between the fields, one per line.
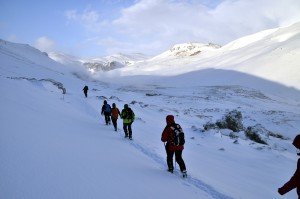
x=85 y=93
x=178 y=158
x=114 y=121
x=127 y=129
x=107 y=118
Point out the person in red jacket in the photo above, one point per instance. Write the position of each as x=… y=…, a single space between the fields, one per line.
x=171 y=148
x=294 y=182
x=115 y=115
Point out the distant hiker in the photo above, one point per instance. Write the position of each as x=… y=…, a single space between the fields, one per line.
x=114 y=115
x=128 y=118
x=85 y=90
x=106 y=111
x=294 y=182
x=174 y=137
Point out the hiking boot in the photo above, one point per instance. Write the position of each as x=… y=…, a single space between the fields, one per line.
x=184 y=174
x=126 y=136
x=170 y=170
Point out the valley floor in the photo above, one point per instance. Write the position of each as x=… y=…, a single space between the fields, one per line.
x=55 y=146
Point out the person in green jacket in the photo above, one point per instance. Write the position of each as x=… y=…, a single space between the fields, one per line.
x=128 y=118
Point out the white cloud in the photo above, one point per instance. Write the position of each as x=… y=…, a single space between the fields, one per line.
x=171 y=22
x=152 y=26
x=44 y=44
x=90 y=19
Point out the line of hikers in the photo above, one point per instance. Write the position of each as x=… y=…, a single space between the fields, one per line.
x=113 y=113
x=173 y=136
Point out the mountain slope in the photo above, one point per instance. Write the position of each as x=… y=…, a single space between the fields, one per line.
x=58 y=149
x=53 y=145
x=272 y=54
x=106 y=63
x=187 y=50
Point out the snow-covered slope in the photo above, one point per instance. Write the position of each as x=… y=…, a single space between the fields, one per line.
x=186 y=50
x=106 y=63
x=55 y=145
x=65 y=59
x=272 y=54
x=112 y=62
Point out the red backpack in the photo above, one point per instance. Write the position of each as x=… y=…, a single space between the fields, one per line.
x=115 y=113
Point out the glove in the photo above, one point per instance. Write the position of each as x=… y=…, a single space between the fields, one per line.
x=280 y=191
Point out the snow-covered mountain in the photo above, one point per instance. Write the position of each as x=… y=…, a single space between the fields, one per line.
x=106 y=63
x=54 y=144
x=111 y=62
x=272 y=54
x=187 y=49
x=65 y=59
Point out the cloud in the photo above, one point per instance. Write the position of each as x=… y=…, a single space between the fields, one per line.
x=44 y=44
x=90 y=19
x=172 y=22
x=152 y=26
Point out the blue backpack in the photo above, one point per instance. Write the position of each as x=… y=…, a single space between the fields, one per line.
x=107 y=108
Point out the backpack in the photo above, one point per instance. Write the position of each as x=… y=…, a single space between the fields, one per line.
x=115 y=113
x=178 y=135
x=107 y=108
x=128 y=114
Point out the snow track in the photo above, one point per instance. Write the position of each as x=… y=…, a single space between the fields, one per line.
x=190 y=180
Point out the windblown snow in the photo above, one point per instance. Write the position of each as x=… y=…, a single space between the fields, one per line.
x=55 y=145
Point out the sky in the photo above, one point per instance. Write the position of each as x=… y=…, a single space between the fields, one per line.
x=95 y=28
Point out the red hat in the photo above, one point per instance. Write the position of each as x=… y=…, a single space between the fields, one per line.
x=170 y=119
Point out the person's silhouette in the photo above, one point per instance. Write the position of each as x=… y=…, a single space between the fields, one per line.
x=294 y=182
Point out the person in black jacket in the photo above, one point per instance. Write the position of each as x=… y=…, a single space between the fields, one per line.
x=294 y=182
x=85 y=90
x=106 y=111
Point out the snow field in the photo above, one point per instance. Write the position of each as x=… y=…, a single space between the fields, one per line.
x=57 y=150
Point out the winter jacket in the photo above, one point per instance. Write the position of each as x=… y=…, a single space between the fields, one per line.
x=115 y=113
x=127 y=115
x=85 y=89
x=168 y=135
x=106 y=109
x=293 y=183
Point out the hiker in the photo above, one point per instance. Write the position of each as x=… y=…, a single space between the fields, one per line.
x=128 y=118
x=114 y=115
x=85 y=90
x=106 y=111
x=174 y=137
x=294 y=182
